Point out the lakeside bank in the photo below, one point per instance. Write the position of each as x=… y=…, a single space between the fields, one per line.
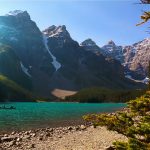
x=80 y=137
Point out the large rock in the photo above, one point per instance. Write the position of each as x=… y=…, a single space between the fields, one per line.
x=8 y=139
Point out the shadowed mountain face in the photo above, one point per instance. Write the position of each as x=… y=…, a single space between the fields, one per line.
x=19 y=32
x=48 y=60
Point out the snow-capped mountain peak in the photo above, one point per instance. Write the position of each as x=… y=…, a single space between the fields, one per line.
x=15 y=12
x=19 y=13
x=134 y=57
x=57 y=31
x=112 y=50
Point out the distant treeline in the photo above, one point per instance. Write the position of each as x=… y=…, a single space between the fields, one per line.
x=100 y=95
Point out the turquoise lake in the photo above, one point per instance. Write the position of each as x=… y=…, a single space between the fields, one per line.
x=38 y=115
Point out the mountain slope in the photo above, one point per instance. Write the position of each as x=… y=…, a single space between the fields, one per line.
x=21 y=33
x=11 y=91
x=135 y=57
x=14 y=83
x=10 y=66
x=81 y=67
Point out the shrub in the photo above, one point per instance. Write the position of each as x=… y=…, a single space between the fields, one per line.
x=133 y=122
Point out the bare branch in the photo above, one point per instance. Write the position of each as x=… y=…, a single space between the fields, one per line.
x=145 y=17
x=145 y=1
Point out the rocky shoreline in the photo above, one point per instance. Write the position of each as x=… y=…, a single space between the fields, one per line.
x=62 y=138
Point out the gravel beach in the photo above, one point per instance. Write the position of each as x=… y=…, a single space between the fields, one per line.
x=79 y=137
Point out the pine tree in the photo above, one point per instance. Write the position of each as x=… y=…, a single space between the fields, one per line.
x=134 y=123
x=146 y=15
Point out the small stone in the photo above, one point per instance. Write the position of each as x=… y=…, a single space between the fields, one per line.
x=12 y=143
x=82 y=127
x=26 y=137
x=51 y=130
x=19 y=139
x=76 y=128
x=92 y=126
x=40 y=138
x=30 y=131
x=33 y=135
x=48 y=134
x=59 y=136
x=5 y=135
x=70 y=128
x=32 y=146
x=18 y=144
x=26 y=133
x=13 y=132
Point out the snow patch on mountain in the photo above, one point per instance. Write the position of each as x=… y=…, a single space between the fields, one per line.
x=114 y=51
x=14 y=13
x=145 y=80
x=25 y=70
x=58 y=32
x=55 y=63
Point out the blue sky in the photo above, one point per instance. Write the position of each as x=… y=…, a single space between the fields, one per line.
x=101 y=20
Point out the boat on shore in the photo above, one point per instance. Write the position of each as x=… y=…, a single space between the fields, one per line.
x=7 y=108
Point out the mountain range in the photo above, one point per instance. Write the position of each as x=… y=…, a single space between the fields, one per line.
x=34 y=63
x=135 y=58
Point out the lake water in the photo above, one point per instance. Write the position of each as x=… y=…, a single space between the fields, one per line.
x=37 y=115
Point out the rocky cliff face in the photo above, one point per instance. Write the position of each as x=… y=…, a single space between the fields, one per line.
x=114 y=51
x=137 y=57
x=134 y=58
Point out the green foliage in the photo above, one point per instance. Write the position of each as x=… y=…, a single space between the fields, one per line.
x=14 y=83
x=145 y=17
x=140 y=107
x=132 y=144
x=93 y=95
x=121 y=145
x=10 y=89
x=10 y=67
x=133 y=122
